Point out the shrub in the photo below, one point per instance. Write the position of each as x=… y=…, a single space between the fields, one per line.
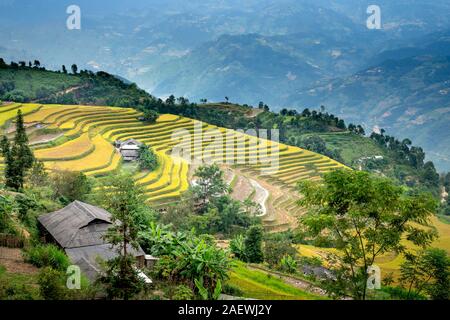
x=232 y=290
x=147 y=158
x=274 y=251
x=288 y=264
x=182 y=292
x=150 y=116
x=237 y=247
x=51 y=284
x=71 y=185
x=47 y=256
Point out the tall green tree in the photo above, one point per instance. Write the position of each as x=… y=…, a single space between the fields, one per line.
x=210 y=184
x=364 y=216
x=253 y=244
x=123 y=199
x=18 y=157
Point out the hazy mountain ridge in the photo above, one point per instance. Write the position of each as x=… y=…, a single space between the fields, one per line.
x=268 y=50
x=408 y=97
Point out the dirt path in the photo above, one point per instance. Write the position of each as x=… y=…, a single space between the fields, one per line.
x=261 y=196
x=242 y=189
x=45 y=138
x=12 y=260
x=62 y=92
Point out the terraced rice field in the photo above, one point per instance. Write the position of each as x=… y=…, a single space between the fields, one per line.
x=89 y=133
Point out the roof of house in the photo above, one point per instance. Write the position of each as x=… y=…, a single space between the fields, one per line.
x=129 y=147
x=78 y=224
x=128 y=143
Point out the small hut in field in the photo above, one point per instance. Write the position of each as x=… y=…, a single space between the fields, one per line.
x=129 y=149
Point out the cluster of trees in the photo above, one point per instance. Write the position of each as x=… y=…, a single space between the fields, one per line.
x=99 y=88
x=357 y=129
x=404 y=152
x=317 y=144
x=36 y=64
x=209 y=208
x=255 y=247
x=365 y=216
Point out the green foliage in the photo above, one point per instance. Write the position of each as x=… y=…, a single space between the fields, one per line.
x=274 y=251
x=70 y=185
x=317 y=144
x=232 y=290
x=365 y=217
x=253 y=244
x=428 y=271
x=398 y=293
x=17 y=286
x=183 y=292
x=25 y=204
x=124 y=200
x=51 y=284
x=225 y=216
x=185 y=257
x=150 y=116
x=209 y=185
x=37 y=176
x=148 y=160
x=237 y=247
x=29 y=84
x=120 y=278
x=288 y=264
x=18 y=157
x=47 y=256
x=203 y=292
x=8 y=207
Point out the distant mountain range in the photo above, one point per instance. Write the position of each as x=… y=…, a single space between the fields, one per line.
x=287 y=53
x=408 y=95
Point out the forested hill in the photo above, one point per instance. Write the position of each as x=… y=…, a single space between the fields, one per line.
x=29 y=82
x=316 y=130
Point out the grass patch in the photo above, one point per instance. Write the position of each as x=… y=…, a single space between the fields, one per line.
x=260 y=285
x=15 y=286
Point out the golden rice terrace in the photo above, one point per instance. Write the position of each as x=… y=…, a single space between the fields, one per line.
x=82 y=138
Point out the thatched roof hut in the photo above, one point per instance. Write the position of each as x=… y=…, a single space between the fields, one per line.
x=79 y=229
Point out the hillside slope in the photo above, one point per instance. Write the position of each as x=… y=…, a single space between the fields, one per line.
x=407 y=97
x=89 y=132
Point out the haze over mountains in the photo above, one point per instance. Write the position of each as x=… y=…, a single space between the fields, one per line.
x=286 y=53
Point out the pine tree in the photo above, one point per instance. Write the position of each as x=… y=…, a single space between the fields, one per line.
x=9 y=163
x=253 y=244
x=18 y=158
